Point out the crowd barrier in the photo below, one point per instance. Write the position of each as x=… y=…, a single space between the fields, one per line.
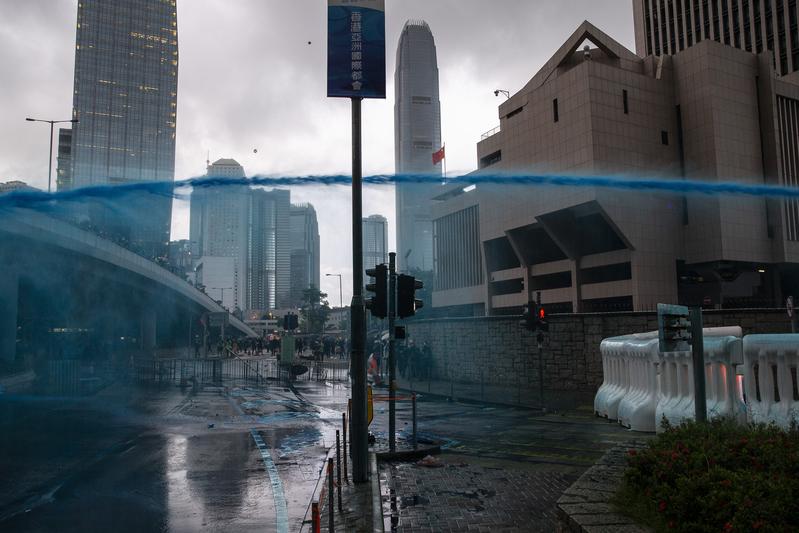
x=770 y=378
x=641 y=385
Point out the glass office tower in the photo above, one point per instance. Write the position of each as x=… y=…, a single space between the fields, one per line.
x=125 y=98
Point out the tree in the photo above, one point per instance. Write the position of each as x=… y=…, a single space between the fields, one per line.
x=314 y=311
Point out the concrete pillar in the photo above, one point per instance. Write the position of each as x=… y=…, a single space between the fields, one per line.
x=9 y=296
x=148 y=331
x=577 y=286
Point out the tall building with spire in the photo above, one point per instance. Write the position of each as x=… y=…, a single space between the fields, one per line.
x=125 y=98
x=417 y=134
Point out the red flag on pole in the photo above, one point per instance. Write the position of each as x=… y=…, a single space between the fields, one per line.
x=439 y=156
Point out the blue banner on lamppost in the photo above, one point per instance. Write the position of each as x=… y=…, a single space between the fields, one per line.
x=356 y=48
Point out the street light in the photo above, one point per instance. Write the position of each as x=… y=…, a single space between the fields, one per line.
x=502 y=91
x=50 y=162
x=222 y=290
x=340 y=292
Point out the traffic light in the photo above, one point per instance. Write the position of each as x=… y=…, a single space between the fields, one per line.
x=531 y=316
x=543 y=325
x=674 y=328
x=378 y=304
x=290 y=322
x=407 y=304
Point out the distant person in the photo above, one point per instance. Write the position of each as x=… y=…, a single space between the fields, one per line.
x=402 y=360
x=426 y=363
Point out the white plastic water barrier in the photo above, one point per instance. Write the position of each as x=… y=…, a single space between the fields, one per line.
x=770 y=377
x=676 y=390
x=633 y=393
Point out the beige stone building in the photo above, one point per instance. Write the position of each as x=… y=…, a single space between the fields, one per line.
x=709 y=112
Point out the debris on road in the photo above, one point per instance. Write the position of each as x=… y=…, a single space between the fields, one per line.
x=430 y=462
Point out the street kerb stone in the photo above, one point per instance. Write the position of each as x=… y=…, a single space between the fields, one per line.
x=586 y=503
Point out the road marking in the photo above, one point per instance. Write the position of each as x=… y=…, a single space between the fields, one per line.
x=281 y=513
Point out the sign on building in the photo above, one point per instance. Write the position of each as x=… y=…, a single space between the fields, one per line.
x=356 y=48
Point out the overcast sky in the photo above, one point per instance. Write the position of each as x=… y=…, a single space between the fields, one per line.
x=248 y=79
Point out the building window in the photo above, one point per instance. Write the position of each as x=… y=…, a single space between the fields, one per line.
x=664 y=138
x=515 y=112
x=491 y=159
x=555 y=109
x=624 y=99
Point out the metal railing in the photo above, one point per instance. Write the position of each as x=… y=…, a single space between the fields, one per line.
x=249 y=371
x=490 y=133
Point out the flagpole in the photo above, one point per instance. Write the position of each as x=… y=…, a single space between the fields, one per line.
x=445 y=163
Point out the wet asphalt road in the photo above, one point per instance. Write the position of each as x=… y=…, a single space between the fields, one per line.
x=146 y=459
x=133 y=459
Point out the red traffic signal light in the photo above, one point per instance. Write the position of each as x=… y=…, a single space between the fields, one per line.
x=541 y=313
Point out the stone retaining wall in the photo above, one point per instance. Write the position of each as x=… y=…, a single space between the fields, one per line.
x=499 y=351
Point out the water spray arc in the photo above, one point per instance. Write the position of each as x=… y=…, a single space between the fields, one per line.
x=49 y=201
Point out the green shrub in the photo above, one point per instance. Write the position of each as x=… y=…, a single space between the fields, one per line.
x=716 y=477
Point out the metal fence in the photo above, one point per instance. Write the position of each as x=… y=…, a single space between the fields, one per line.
x=73 y=377
x=234 y=371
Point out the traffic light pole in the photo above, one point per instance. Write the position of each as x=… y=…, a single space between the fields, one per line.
x=392 y=358
x=359 y=437
x=698 y=352
x=540 y=358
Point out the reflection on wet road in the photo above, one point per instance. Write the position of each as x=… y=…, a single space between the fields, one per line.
x=133 y=459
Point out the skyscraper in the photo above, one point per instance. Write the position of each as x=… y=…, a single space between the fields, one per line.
x=304 y=251
x=125 y=97
x=665 y=27
x=417 y=134
x=269 y=260
x=64 y=159
x=219 y=227
x=375 y=241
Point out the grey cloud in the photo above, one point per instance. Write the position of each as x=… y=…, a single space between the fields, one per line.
x=248 y=79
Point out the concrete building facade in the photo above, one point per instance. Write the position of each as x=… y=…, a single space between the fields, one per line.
x=417 y=134
x=125 y=98
x=665 y=27
x=709 y=112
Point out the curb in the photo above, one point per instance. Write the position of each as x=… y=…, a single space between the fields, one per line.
x=409 y=455
x=585 y=507
x=422 y=393
x=377 y=503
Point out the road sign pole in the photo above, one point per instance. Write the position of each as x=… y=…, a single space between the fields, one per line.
x=359 y=437
x=392 y=360
x=698 y=351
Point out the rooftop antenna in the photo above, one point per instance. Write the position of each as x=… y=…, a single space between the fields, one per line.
x=208 y=158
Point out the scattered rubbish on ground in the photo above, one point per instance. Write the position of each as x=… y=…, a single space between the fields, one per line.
x=430 y=462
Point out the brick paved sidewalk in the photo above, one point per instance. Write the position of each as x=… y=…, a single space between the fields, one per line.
x=472 y=494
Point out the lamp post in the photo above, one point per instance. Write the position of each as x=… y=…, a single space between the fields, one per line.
x=50 y=162
x=222 y=290
x=502 y=91
x=340 y=292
